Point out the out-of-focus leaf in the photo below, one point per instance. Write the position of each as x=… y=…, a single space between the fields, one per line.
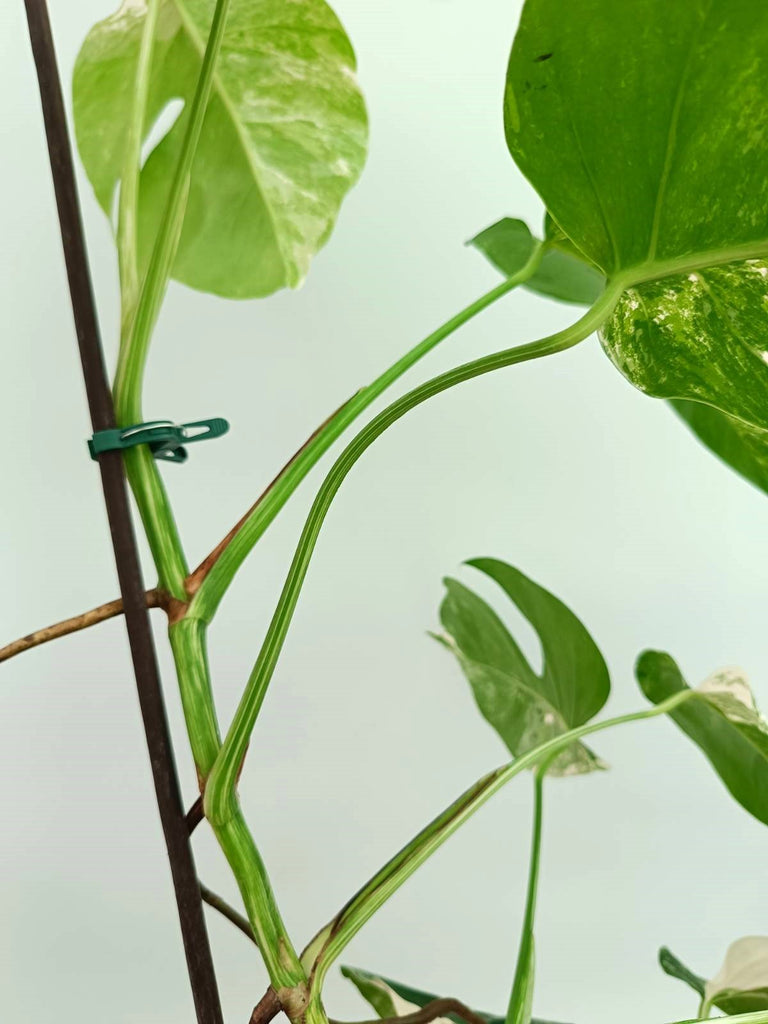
x=562 y=274
x=525 y=708
x=723 y=721
x=284 y=136
x=741 y=984
x=393 y=999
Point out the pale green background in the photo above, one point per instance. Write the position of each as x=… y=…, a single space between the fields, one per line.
x=559 y=467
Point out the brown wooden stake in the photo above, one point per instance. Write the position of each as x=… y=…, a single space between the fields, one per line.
x=186 y=886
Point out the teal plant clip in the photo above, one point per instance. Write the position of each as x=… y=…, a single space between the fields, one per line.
x=166 y=439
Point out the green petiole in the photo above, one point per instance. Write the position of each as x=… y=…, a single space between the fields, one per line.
x=326 y=946
x=138 y=323
x=219 y=794
x=521 y=998
x=215 y=584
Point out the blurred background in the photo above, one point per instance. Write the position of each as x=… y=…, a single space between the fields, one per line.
x=369 y=730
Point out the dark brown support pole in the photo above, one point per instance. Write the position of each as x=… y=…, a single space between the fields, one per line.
x=185 y=883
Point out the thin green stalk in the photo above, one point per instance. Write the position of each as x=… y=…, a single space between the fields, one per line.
x=138 y=324
x=521 y=998
x=220 y=787
x=758 y=1017
x=326 y=946
x=219 y=577
x=187 y=639
x=133 y=356
x=140 y=311
x=127 y=231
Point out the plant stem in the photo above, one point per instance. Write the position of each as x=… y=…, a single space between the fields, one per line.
x=187 y=638
x=138 y=324
x=92 y=617
x=133 y=354
x=127 y=218
x=758 y=1017
x=220 y=785
x=521 y=998
x=233 y=552
x=326 y=946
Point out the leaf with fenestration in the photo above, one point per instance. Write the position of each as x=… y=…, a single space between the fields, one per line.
x=741 y=984
x=562 y=275
x=524 y=707
x=284 y=136
x=739 y=444
x=393 y=999
x=722 y=720
x=644 y=127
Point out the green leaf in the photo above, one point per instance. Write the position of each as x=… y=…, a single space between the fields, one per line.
x=741 y=984
x=283 y=140
x=724 y=722
x=676 y=969
x=699 y=336
x=740 y=445
x=643 y=125
x=392 y=999
x=525 y=708
x=562 y=274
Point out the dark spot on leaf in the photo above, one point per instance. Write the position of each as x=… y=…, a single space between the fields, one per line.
x=544 y=56
x=526 y=86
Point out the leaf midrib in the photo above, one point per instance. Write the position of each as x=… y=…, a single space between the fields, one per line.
x=188 y=25
x=654 y=270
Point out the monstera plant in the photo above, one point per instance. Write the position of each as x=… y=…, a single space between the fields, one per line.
x=220 y=138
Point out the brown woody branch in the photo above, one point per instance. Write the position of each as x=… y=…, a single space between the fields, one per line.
x=155 y=599
x=267 y=1007
x=235 y=917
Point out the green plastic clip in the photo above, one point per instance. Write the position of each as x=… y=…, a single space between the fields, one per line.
x=166 y=440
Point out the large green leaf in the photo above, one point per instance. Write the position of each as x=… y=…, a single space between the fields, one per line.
x=723 y=721
x=739 y=444
x=284 y=136
x=644 y=127
x=562 y=274
x=741 y=984
x=393 y=999
x=524 y=707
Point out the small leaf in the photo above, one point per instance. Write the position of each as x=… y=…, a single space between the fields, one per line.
x=392 y=999
x=524 y=708
x=645 y=132
x=723 y=722
x=562 y=274
x=284 y=136
x=742 y=446
x=741 y=984
x=676 y=969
